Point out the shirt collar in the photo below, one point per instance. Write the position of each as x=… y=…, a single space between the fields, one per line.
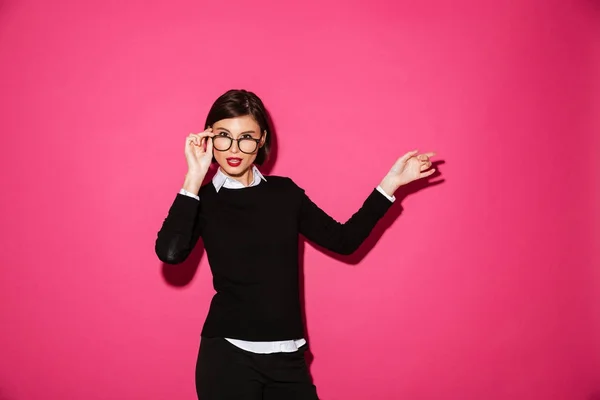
x=221 y=180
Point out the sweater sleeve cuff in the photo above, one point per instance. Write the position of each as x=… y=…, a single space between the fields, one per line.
x=378 y=204
x=189 y=194
x=391 y=198
x=184 y=209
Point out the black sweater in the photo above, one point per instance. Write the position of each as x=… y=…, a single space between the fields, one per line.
x=251 y=239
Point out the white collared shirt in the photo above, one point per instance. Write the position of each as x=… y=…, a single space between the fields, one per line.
x=219 y=181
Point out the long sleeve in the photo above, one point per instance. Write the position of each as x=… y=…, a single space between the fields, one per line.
x=319 y=227
x=180 y=230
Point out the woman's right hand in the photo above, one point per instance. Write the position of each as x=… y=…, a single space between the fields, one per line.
x=199 y=152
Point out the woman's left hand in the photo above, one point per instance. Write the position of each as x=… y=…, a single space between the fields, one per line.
x=408 y=168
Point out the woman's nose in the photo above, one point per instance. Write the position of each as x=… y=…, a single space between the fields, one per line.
x=234 y=146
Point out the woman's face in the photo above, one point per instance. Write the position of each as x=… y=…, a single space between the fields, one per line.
x=234 y=161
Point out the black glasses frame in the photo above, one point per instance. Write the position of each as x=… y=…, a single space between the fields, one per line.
x=231 y=140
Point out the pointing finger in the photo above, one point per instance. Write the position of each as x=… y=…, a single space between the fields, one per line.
x=427 y=173
x=408 y=155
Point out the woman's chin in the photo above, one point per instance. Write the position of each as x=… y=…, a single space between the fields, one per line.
x=235 y=172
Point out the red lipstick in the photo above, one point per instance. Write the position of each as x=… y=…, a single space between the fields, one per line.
x=234 y=161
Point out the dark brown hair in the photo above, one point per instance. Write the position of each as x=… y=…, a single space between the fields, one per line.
x=239 y=103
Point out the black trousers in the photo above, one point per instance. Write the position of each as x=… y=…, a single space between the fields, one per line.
x=226 y=372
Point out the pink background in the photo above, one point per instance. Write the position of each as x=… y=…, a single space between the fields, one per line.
x=486 y=287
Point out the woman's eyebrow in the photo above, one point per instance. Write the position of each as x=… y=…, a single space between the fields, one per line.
x=226 y=130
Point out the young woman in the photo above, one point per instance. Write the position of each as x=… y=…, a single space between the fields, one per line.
x=252 y=344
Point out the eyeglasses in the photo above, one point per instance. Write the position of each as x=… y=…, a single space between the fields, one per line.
x=246 y=145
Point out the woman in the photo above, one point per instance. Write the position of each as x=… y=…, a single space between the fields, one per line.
x=252 y=344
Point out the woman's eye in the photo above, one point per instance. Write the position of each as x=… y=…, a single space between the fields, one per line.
x=223 y=134
x=246 y=136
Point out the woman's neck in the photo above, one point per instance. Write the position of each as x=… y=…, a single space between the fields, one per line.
x=245 y=178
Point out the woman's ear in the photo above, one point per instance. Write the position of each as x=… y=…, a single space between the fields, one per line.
x=263 y=138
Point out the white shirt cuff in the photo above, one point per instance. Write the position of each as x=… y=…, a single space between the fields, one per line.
x=390 y=198
x=189 y=194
